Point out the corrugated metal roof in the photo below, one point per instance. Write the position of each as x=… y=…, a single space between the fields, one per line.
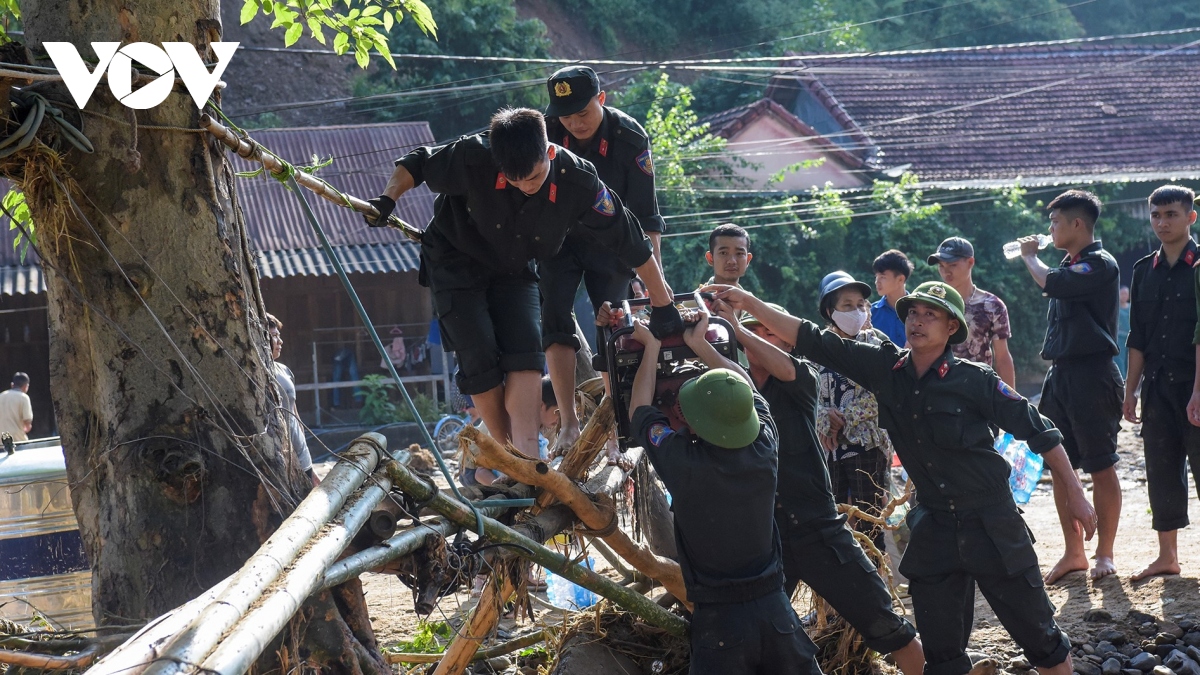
x=363 y=160
x=367 y=259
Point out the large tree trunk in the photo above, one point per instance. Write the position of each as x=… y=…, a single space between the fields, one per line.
x=170 y=420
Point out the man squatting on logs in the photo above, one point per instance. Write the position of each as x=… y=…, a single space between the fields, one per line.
x=619 y=149
x=967 y=529
x=507 y=199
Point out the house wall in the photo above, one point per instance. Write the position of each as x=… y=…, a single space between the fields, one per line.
x=768 y=148
x=317 y=314
x=25 y=347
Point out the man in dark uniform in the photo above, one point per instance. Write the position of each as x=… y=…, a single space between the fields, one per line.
x=1162 y=359
x=506 y=199
x=1083 y=390
x=721 y=472
x=967 y=529
x=818 y=548
x=620 y=150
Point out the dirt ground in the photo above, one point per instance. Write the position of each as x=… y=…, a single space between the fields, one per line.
x=1166 y=597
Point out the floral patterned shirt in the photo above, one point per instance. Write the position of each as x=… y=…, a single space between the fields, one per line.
x=987 y=317
x=857 y=405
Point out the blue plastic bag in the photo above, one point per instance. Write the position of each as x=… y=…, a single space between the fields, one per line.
x=1026 y=465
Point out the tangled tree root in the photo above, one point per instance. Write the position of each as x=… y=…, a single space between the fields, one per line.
x=652 y=649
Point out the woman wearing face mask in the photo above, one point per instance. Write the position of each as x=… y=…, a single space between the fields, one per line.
x=858 y=451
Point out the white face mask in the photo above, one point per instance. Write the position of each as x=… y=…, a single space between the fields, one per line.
x=850 y=322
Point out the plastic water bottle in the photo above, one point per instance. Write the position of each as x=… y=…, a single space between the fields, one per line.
x=566 y=595
x=1026 y=465
x=1013 y=248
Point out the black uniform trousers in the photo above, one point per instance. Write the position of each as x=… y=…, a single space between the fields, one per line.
x=605 y=277
x=824 y=555
x=490 y=320
x=1083 y=397
x=756 y=637
x=1170 y=443
x=950 y=553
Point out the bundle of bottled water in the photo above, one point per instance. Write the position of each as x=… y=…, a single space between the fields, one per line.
x=1026 y=465
x=566 y=595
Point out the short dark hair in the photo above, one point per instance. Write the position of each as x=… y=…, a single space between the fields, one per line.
x=518 y=139
x=727 y=230
x=273 y=322
x=1174 y=194
x=1080 y=201
x=20 y=380
x=548 y=398
x=893 y=261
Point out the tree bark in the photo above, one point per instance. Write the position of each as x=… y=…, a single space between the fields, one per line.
x=171 y=424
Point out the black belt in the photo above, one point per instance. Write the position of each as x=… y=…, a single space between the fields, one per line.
x=739 y=591
x=966 y=502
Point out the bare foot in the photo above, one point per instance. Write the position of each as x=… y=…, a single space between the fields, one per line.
x=1102 y=568
x=1159 y=566
x=1063 y=567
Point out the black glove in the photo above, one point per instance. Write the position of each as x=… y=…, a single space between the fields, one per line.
x=665 y=321
x=384 y=205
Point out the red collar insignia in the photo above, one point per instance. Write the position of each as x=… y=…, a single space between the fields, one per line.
x=1075 y=259
x=553 y=193
x=1189 y=256
x=604 y=147
x=501 y=181
x=943 y=369
x=1157 y=259
x=566 y=140
x=900 y=364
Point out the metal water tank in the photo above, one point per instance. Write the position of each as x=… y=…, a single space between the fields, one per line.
x=43 y=569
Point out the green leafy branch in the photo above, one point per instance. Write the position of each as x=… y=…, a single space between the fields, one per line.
x=363 y=27
x=20 y=219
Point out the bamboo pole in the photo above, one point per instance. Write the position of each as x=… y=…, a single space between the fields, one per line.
x=202 y=634
x=555 y=562
x=247 y=639
x=489 y=454
x=402 y=544
x=254 y=153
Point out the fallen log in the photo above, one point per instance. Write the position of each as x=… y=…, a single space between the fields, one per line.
x=460 y=514
x=589 y=446
x=601 y=523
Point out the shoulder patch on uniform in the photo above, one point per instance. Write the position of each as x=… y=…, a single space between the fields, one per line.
x=1003 y=388
x=645 y=163
x=1082 y=268
x=659 y=433
x=604 y=203
x=900 y=364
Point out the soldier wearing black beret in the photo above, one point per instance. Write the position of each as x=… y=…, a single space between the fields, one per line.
x=619 y=148
x=508 y=199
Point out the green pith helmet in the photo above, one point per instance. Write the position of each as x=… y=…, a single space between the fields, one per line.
x=718 y=406
x=749 y=321
x=943 y=296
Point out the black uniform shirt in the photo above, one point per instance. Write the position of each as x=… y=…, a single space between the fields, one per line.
x=722 y=501
x=497 y=225
x=939 y=423
x=1084 y=294
x=804 y=491
x=1162 y=314
x=620 y=151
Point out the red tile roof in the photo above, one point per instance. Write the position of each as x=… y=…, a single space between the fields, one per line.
x=994 y=113
x=728 y=123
